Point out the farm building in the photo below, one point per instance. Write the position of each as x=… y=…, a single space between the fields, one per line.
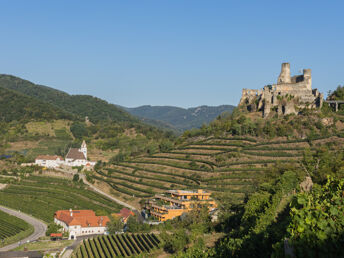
x=49 y=161
x=81 y=222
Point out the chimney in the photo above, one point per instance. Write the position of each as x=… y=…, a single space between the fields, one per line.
x=101 y=221
x=71 y=212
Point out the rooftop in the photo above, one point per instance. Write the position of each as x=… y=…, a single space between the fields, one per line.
x=84 y=218
x=200 y=191
x=48 y=157
x=74 y=153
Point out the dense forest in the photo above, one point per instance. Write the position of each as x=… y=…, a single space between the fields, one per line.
x=82 y=105
x=15 y=106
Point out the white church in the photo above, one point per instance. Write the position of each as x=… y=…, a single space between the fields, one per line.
x=74 y=158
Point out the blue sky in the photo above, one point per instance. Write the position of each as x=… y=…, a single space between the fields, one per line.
x=182 y=53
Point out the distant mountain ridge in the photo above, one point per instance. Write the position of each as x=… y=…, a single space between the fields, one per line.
x=180 y=118
x=63 y=104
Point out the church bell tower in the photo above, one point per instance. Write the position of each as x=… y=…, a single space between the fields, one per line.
x=83 y=148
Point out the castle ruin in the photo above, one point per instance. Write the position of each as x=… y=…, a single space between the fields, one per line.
x=286 y=97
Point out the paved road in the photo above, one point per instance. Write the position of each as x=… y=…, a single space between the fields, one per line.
x=39 y=227
x=69 y=250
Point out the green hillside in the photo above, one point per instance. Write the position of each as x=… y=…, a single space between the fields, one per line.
x=180 y=119
x=17 y=106
x=81 y=105
x=37 y=120
x=230 y=155
x=42 y=196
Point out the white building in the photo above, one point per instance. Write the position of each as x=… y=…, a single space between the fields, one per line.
x=49 y=161
x=81 y=222
x=74 y=158
x=78 y=157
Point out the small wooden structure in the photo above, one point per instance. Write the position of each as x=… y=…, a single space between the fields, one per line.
x=56 y=236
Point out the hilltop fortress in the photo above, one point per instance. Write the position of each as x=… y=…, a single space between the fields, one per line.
x=286 y=97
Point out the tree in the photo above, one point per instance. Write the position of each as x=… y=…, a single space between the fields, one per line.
x=78 y=130
x=76 y=178
x=175 y=242
x=115 y=225
x=317 y=222
x=53 y=228
x=133 y=225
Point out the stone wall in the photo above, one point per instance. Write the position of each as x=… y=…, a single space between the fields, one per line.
x=287 y=95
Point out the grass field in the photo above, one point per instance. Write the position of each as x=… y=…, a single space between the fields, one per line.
x=45 y=245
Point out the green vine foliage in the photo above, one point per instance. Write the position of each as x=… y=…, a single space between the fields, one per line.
x=317 y=221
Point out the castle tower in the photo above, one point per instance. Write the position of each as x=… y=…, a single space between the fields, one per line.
x=307 y=77
x=83 y=148
x=284 y=76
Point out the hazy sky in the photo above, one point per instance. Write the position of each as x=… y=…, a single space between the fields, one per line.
x=182 y=53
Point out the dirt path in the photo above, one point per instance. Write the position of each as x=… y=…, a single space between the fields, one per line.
x=106 y=194
x=39 y=228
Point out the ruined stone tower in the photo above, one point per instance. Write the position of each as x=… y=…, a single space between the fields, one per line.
x=286 y=97
x=284 y=76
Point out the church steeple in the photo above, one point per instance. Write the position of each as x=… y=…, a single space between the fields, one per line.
x=83 y=148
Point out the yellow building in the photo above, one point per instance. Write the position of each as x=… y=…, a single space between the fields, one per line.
x=176 y=202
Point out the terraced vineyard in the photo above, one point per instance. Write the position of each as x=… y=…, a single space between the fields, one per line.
x=219 y=164
x=121 y=245
x=42 y=196
x=12 y=228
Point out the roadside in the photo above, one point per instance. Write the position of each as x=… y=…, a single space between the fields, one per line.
x=39 y=228
x=107 y=195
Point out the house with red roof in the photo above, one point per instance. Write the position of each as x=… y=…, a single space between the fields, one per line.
x=81 y=222
x=124 y=215
x=49 y=161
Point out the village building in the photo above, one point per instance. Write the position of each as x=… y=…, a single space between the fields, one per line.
x=74 y=158
x=81 y=222
x=123 y=215
x=49 y=161
x=78 y=157
x=176 y=202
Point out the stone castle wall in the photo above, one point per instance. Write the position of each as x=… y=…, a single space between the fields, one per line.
x=287 y=95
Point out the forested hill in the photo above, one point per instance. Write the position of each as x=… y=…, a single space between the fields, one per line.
x=180 y=118
x=81 y=105
x=17 y=106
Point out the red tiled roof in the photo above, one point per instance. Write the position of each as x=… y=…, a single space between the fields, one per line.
x=74 y=153
x=56 y=234
x=49 y=157
x=85 y=218
x=125 y=213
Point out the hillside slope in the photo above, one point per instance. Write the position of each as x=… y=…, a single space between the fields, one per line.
x=17 y=106
x=82 y=105
x=180 y=118
x=230 y=156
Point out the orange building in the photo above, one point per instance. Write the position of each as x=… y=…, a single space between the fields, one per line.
x=124 y=215
x=176 y=202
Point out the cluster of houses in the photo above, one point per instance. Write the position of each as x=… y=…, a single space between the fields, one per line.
x=162 y=207
x=177 y=202
x=74 y=158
